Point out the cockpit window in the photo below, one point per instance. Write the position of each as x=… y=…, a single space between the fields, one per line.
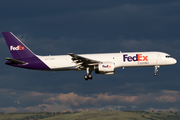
x=168 y=56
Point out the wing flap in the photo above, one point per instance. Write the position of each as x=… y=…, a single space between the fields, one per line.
x=82 y=62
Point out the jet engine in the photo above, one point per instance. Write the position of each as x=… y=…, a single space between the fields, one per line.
x=105 y=68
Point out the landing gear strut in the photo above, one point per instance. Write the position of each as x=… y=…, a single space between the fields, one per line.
x=88 y=76
x=156 y=69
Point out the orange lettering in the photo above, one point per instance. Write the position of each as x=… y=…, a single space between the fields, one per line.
x=139 y=57
x=22 y=48
x=145 y=58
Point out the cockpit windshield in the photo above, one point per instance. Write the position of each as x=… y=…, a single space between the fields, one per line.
x=168 y=56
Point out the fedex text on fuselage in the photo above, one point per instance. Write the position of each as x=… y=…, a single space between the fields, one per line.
x=137 y=57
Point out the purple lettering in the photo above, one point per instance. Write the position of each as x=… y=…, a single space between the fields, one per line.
x=130 y=58
x=135 y=58
x=124 y=57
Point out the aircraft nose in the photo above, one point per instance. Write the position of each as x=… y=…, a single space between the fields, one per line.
x=174 y=61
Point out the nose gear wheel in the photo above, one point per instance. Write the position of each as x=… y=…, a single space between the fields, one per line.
x=156 y=70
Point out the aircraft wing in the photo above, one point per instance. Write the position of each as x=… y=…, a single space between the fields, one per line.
x=83 y=62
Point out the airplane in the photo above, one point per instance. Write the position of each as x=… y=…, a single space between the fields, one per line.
x=105 y=63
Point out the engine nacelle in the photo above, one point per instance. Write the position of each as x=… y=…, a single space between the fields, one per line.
x=105 y=68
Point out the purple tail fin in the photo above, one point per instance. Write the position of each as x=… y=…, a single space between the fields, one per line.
x=17 y=48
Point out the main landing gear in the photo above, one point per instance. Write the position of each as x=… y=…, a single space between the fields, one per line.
x=156 y=69
x=88 y=76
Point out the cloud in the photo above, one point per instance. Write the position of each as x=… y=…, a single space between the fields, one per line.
x=9 y=109
x=76 y=100
x=168 y=96
x=29 y=101
x=97 y=100
x=166 y=99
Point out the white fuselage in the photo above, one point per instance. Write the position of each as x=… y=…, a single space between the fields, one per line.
x=128 y=59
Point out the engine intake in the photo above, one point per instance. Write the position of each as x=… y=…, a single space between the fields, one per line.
x=105 y=68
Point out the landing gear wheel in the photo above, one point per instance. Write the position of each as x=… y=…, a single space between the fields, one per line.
x=90 y=77
x=156 y=69
x=86 y=77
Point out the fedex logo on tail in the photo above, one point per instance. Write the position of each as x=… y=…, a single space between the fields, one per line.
x=137 y=57
x=106 y=66
x=19 y=47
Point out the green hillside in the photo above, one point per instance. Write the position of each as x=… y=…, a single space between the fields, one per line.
x=93 y=115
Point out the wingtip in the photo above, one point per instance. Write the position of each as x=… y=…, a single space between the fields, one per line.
x=70 y=53
x=7 y=58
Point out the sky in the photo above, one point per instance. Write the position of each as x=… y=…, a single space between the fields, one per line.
x=58 y=27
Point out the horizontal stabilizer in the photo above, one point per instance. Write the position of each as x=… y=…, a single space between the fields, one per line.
x=14 y=61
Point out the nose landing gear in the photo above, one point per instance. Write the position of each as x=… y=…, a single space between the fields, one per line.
x=156 y=69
